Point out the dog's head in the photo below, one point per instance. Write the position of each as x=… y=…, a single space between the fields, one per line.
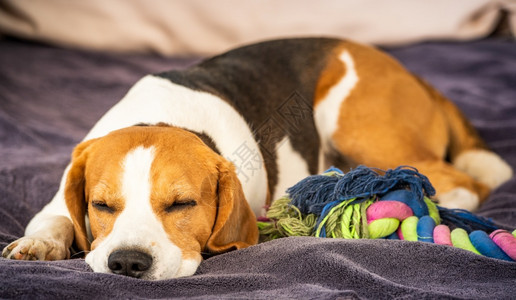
x=156 y=198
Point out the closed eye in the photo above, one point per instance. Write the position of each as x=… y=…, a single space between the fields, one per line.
x=180 y=205
x=102 y=206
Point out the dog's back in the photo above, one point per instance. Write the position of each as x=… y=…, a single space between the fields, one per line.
x=338 y=103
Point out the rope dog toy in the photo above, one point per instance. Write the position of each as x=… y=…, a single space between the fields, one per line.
x=373 y=204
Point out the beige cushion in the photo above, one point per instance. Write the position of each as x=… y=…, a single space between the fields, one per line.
x=207 y=27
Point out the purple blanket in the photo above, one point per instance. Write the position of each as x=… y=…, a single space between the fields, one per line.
x=50 y=97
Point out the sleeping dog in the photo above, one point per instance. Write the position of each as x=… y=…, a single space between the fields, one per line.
x=183 y=163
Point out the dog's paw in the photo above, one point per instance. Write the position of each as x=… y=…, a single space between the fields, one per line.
x=36 y=248
x=459 y=198
x=485 y=166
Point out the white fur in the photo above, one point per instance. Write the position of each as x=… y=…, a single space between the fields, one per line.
x=327 y=112
x=138 y=227
x=459 y=198
x=485 y=166
x=154 y=99
x=291 y=167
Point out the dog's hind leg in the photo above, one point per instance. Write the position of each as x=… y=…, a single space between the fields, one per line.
x=375 y=113
x=455 y=189
x=467 y=151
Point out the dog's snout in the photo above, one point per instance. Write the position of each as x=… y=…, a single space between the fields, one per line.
x=129 y=262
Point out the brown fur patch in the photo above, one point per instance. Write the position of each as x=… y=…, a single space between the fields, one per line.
x=331 y=75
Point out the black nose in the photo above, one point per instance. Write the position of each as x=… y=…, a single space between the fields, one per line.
x=129 y=262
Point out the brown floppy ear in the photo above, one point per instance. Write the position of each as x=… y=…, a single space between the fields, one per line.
x=235 y=224
x=74 y=194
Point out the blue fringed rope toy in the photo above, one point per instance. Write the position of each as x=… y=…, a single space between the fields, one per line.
x=370 y=203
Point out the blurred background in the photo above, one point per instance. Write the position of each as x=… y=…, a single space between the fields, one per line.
x=200 y=28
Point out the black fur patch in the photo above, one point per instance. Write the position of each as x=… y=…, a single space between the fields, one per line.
x=272 y=85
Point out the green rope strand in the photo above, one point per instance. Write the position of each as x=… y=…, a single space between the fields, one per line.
x=363 y=210
x=355 y=221
x=293 y=227
x=331 y=214
x=345 y=221
x=289 y=221
x=281 y=208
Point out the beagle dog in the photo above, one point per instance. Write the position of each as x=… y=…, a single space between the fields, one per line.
x=214 y=143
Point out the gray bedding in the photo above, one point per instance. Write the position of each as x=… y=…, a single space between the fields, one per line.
x=50 y=97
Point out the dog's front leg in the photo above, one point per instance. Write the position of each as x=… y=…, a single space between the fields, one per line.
x=49 y=235
x=51 y=240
